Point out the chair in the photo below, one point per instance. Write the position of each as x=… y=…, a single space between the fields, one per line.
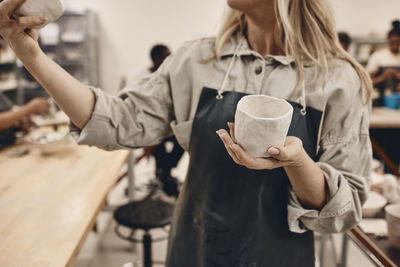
x=146 y=214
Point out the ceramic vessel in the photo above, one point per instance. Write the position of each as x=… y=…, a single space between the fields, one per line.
x=373 y=205
x=393 y=223
x=50 y=9
x=261 y=122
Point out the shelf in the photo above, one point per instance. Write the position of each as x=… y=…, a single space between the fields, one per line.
x=72 y=63
x=76 y=51
x=8 y=85
x=75 y=12
x=8 y=67
x=369 y=40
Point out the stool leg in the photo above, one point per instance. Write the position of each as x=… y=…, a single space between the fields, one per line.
x=147 y=249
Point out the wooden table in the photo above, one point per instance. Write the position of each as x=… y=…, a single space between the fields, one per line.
x=49 y=204
x=379 y=251
x=384 y=118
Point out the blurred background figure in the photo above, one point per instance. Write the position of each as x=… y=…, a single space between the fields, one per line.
x=158 y=54
x=345 y=40
x=15 y=119
x=384 y=64
x=168 y=153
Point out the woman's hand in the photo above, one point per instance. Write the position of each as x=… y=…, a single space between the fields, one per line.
x=19 y=32
x=291 y=154
x=73 y=97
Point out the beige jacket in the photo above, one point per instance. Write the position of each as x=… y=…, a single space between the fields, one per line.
x=165 y=103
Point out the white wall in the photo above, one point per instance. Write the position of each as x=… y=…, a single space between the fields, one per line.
x=128 y=29
x=366 y=17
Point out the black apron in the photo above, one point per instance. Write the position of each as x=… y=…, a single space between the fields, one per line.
x=7 y=137
x=228 y=215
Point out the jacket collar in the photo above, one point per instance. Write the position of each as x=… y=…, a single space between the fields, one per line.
x=244 y=50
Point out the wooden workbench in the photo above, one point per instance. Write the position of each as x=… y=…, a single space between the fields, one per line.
x=49 y=204
x=384 y=118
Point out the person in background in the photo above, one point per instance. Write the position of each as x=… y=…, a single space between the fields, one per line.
x=384 y=68
x=14 y=120
x=344 y=40
x=165 y=158
x=235 y=209
x=158 y=54
x=384 y=64
x=17 y=119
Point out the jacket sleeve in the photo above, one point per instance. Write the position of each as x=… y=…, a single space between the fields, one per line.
x=138 y=116
x=345 y=158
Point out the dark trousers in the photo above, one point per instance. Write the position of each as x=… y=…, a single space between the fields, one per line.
x=389 y=141
x=165 y=162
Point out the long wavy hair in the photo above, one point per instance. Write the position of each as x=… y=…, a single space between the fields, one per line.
x=306 y=31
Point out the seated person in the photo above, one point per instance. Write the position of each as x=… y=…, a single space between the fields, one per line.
x=14 y=120
x=384 y=65
x=165 y=159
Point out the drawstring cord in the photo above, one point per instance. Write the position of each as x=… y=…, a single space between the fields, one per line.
x=225 y=81
x=219 y=96
x=303 y=110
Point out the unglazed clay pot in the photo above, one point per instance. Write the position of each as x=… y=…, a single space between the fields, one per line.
x=261 y=122
x=393 y=223
x=50 y=9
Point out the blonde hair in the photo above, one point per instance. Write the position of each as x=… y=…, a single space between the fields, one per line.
x=306 y=31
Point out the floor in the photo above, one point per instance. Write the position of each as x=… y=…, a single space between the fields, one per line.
x=105 y=249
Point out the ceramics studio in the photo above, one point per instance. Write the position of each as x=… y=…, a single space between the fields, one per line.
x=232 y=133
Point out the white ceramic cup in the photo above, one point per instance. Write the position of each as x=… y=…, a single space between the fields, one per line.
x=393 y=223
x=261 y=122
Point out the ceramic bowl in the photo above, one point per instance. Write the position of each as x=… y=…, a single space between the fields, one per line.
x=52 y=142
x=373 y=205
x=393 y=223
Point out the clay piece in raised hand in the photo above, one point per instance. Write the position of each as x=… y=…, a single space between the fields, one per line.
x=50 y=9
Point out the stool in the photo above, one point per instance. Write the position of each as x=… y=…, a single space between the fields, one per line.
x=146 y=215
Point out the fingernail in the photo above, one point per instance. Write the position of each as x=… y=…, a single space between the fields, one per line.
x=218 y=132
x=42 y=18
x=273 y=151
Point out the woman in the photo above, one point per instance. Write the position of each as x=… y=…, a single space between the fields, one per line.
x=384 y=68
x=384 y=64
x=235 y=210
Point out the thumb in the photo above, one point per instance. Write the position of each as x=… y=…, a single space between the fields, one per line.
x=274 y=151
x=289 y=151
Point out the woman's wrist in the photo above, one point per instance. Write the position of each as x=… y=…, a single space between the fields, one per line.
x=300 y=161
x=32 y=57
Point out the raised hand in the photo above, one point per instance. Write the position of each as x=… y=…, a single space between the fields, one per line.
x=19 y=32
